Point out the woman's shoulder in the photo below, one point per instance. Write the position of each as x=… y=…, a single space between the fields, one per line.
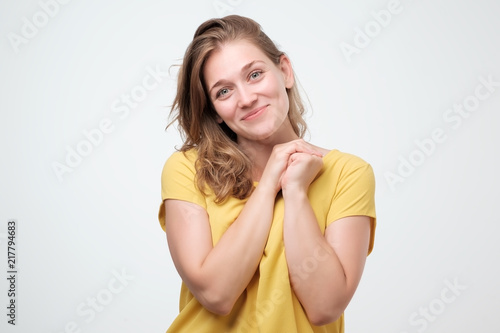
x=183 y=155
x=181 y=160
x=346 y=168
x=336 y=156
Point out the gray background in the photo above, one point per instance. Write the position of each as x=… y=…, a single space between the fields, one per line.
x=437 y=222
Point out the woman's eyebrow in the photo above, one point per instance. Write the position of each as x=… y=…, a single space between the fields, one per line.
x=243 y=69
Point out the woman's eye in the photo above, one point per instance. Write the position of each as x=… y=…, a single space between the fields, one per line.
x=222 y=92
x=255 y=75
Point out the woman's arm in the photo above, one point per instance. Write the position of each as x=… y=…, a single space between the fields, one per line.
x=324 y=269
x=217 y=275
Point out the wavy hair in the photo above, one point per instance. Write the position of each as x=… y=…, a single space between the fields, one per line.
x=221 y=164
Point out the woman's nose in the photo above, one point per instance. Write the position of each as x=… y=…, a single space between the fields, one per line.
x=246 y=98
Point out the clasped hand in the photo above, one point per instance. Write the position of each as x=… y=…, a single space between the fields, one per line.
x=292 y=166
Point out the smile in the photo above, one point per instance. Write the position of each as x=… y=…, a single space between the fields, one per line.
x=255 y=113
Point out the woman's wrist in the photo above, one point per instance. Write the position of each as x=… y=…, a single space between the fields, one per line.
x=291 y=192
x=266 y=189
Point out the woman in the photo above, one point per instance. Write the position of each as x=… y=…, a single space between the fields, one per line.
x=269 y=233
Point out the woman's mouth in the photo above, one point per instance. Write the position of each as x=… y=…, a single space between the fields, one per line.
x=255 y=113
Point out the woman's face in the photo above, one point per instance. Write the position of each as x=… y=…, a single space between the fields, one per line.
x=248 y=90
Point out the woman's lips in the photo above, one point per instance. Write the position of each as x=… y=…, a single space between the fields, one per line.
x=255 y=113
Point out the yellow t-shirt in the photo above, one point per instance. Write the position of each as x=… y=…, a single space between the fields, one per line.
x=344 y=187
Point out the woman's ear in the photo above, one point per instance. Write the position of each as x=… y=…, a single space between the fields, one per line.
x=287 y=70
x=218 y=119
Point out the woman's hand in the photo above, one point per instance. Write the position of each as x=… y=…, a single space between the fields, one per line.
x=292 y=154
x=301 y=170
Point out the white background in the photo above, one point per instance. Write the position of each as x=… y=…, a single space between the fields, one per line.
x=437 y=224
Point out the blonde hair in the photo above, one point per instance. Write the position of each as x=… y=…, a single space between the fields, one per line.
x=221 y=164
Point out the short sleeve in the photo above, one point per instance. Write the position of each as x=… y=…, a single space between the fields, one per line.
x=178 y=182
x=355 y=194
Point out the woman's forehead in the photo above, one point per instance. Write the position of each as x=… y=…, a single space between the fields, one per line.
x=232 y=59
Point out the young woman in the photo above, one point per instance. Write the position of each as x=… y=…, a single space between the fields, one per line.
x=269 y=233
